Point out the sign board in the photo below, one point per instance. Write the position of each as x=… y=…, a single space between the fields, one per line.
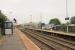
x=67 y=18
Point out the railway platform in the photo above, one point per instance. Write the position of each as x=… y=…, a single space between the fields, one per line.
x=17 y=41
x=57 y=32
x=65 y=35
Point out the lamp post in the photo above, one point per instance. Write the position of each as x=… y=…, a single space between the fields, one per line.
x=67 y=18
x=66 y=8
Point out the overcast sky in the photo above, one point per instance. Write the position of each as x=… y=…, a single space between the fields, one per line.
x=48 y=9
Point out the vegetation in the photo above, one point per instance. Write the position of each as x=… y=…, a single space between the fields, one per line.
x=2 y=17
x=55 y=21
x=72 y=21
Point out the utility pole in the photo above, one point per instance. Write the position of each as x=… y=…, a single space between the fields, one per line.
x=41 y=22
x=31 y=20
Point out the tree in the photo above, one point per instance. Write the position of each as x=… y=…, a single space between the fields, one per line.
x=2 y=20
x=2 y=17
x=72 y=20
x=54 y=21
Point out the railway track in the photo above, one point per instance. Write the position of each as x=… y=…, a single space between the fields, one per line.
x=42 y=47
x=40 y=44
x=53 y=42
x=61 y=41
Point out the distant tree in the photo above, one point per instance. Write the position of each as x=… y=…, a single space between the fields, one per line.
x=55 y=21
x=72 y=20
x=2 y=17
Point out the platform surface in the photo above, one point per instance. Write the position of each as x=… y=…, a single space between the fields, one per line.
x=27 y=42
x=17 y=41
x=12 y=42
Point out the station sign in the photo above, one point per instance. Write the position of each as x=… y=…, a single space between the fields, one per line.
x=67 y=18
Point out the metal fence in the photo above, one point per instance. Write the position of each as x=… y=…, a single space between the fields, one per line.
x=64 y=28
